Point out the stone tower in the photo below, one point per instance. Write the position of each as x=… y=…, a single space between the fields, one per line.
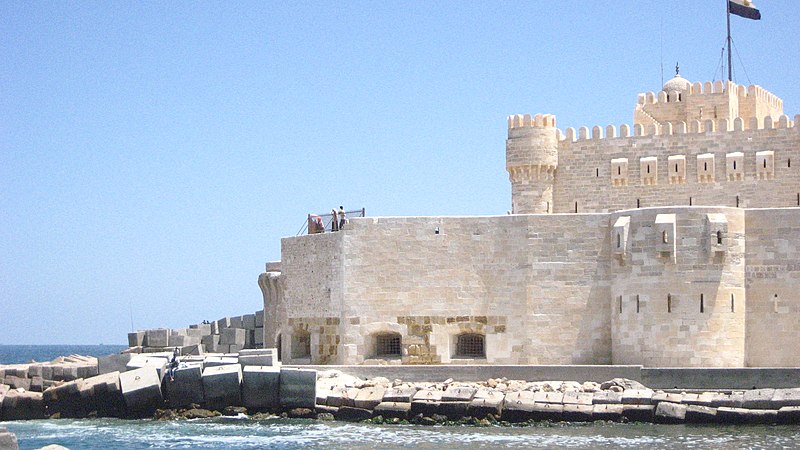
x=531 y=162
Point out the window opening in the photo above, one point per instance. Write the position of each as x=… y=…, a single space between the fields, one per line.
x=470 y=346
x=669 y=303
x=637 y=202
x=775 y=303
x=676 y=168
x=690 y=201
x=637 y=303
x=619 y=170
x=705 y=166
x=734 y=165
x=664 y=237
x=702 y=304
x=619 y=302
x=387 y=345
x=597 y=172
x=648 y=168
x=765 y=163
x=789 y=162
x=719 y=237
x=576 y=206
x=737 y=201
x=278 y=347
x=733 y=301
x=619 y=240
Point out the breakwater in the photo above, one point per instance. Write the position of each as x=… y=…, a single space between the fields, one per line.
x=253 y=381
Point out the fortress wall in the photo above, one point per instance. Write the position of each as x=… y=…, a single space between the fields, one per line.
x=772 y=279
x=531 y=284
x=311 y=272
x=585 y=174
x=671 y=302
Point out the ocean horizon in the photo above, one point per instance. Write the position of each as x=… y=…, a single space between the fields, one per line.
x=25 y=353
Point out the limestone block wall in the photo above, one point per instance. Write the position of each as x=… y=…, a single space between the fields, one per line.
x=311 y=290
x=588 y=180
x=772 y=280
x=534 y=286
x=677 y=290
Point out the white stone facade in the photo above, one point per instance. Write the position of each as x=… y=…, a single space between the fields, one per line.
x=646 y=247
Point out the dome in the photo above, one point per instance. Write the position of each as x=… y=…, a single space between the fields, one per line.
x=678 y=84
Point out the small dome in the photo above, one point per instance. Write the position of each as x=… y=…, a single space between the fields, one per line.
x=678 y=84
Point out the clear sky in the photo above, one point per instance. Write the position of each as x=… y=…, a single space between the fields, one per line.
x=152 y=154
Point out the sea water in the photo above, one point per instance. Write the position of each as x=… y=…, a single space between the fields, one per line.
x=243 y=433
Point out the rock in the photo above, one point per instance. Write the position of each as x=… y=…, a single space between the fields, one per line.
x=234 y=411
x=623 y=383
x=301 y=413
x=8 y=441
x=326 y=417
x=198 y=413
x=590 y=386
x=670 y=413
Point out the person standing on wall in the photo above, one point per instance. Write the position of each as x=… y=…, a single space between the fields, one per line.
x=334 y=221
x=342 y=219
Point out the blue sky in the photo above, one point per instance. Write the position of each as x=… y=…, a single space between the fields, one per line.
x=152 y=154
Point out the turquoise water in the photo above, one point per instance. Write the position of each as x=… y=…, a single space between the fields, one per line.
x=297 y=434
x=19 y=354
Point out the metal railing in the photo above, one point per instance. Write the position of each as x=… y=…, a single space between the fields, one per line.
x=324 y=223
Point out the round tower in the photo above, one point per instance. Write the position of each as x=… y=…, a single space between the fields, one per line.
x=531 y=161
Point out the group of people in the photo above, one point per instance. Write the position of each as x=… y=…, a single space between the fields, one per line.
x=316 y=225
x=339 y=219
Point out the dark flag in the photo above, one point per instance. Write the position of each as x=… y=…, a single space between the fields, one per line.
x=744 y=8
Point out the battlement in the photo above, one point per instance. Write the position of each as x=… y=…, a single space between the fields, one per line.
x=709 y=88
x=526 y=121
x=695 y=126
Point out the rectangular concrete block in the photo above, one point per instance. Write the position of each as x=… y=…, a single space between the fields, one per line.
x=637 y=397
x=341 y=396
x=144 y=360
x=700 y=414
x=485 y=403
x=222 y=386
x=391 y=410
x=23 y=406
x=223 y=323
x=667 y=412
x=575 y=412
x=136 y=339
x=785 y=397
x=639 y=413
x=758 y=399
x=261 y=387
x=607 y=411
x=141 y=389
x=369 y=397
x=429 y=395
x=399 y=394
x=157 y=338
x=298 y=388
x=185 y=385
x=259 y=337
x=577 y=398
x=458 y=394
x=267 y=359
x=236 y=322
x=213 y=361
x=232 y=336
x=607 y=398
x=548 y=397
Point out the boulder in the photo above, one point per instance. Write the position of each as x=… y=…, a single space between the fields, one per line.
x=222 y=386
x=261 y=387
x=141 y=389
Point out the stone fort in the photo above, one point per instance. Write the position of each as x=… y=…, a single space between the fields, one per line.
x=671 y=243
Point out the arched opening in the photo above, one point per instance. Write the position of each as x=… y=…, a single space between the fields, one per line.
x=470 y=345
x=388 y=345
x=664 y=237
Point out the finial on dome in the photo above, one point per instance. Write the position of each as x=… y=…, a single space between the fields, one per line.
x=677 y=69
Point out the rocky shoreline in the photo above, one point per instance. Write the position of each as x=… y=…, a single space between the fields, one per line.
x=253 y=383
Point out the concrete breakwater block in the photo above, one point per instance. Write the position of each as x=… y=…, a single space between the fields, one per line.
x=65 y=399
x=158 y=337
x=637 y=397
x=159 y=363
x=639 y=413
x=103 y=393
x=298 y=387
x=113 y=363
x=8 y=440
x=232 y=336
x=607 y=398
x=746 y=416
x=425 y=407
x=486 y=402
x=758 y=399
x=261 y=387
x=369 y=397
x=186 y=385
x=577 y=398
x=141 y=389
x=393 y=410
x=670 y=413
x=785 y=397
x=458 y=394
x=341 y=396
x=400 y=394
x=700 y=414
x=548 y=397
x=214 y=361
x=23 y=406
x=222 y=386
x=789 y=415
x=350 y=414
x=136 y=339
x=574 y=412
x=258 y=357
x=517 y=406
x=607 y=411
x=453 y=410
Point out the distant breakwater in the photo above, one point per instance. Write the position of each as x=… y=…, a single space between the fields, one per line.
x=253 y=382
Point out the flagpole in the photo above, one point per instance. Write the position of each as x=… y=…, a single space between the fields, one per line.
x=730 y=74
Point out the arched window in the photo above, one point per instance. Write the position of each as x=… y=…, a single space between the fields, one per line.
x=470 y=345
x=388 y=345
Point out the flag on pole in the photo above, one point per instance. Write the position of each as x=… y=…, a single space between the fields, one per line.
x=744 y=8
